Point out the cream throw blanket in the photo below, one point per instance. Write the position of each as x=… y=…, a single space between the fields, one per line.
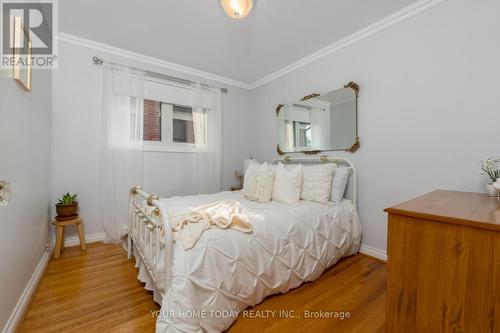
x=225 y=214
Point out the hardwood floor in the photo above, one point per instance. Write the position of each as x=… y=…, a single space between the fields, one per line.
x=98 y=291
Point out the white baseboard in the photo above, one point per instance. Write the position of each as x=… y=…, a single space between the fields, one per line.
x=91 y=238
x=373 y=252
x=24 y=301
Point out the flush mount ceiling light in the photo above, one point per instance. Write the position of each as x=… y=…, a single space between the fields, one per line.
x=237 y=9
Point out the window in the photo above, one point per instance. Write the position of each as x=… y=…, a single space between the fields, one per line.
x=171 y=123
x=152 y=120
x=302 y=134
x=156 y=128
x=298 y=134
x=183 y=125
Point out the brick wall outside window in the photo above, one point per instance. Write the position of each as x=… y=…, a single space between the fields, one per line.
x=152 y=120
x=189 y=132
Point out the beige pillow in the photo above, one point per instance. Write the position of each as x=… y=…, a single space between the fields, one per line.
x=287 y=183
x=259 y=182
x=317 y=182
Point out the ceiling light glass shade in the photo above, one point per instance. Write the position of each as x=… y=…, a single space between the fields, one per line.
x=237 y=9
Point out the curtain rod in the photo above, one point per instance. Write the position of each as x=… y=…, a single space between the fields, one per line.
x=99 y=62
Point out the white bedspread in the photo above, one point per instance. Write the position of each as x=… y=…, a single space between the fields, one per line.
x=227 y=271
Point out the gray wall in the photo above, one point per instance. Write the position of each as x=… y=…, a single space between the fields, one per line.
x=25 y=127
x=428 y=105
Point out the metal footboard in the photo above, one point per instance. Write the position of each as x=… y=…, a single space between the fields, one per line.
x=150 y=234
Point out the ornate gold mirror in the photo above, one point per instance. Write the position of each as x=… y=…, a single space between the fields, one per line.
x=320 y=122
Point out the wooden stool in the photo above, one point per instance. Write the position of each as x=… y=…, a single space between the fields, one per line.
x=60 y=234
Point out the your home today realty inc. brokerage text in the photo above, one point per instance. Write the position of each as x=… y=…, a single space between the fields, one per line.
x=252 y=314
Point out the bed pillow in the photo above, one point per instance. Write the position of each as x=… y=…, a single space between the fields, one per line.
x=250 y=172
x=317 y=182
x=339 y=184
x=259 y=182
x=287 y=184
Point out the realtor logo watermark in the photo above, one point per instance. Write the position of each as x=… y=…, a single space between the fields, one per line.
x=28 y=30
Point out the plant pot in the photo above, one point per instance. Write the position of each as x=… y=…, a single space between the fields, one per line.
x=491 y=190
x=496 y=185
x=67 y=210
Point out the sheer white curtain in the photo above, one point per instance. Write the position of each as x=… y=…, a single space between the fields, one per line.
x=207 y=123
x=122 y=145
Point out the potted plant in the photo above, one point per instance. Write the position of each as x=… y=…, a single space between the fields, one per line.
x=489 y=166
x=67 y=205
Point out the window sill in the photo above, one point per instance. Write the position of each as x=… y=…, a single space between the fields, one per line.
x=171 y=148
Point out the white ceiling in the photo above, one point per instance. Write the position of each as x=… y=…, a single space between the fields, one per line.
x=198 y=34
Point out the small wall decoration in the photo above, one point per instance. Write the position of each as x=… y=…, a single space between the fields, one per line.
x=22 y=55
x=4 y=193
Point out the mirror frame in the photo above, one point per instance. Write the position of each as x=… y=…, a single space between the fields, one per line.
x=355 y=146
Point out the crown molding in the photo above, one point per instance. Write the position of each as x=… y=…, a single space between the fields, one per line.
x=372 y=29
x=98 y=46
x=378 y=26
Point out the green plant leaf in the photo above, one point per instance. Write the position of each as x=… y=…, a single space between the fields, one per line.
x=68 y=199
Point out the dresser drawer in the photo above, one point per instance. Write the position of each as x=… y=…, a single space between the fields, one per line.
x=443 y=274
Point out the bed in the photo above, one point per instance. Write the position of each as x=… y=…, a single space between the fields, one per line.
x=204 y=289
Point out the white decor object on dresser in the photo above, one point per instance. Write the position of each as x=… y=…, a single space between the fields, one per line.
x=490 y=188
x=489 y=167
x=496 y=186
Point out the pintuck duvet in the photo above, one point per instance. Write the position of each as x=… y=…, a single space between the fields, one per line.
x=228 y=271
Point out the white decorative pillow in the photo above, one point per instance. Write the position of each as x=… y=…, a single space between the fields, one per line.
x=253 y=166
x=340 y=179
x=287 y=184
x=259 y=182
x=317 y=182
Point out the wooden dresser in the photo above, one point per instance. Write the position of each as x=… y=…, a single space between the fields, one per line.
x=443 y=269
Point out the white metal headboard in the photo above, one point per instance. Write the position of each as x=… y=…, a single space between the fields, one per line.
x=351 y=191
